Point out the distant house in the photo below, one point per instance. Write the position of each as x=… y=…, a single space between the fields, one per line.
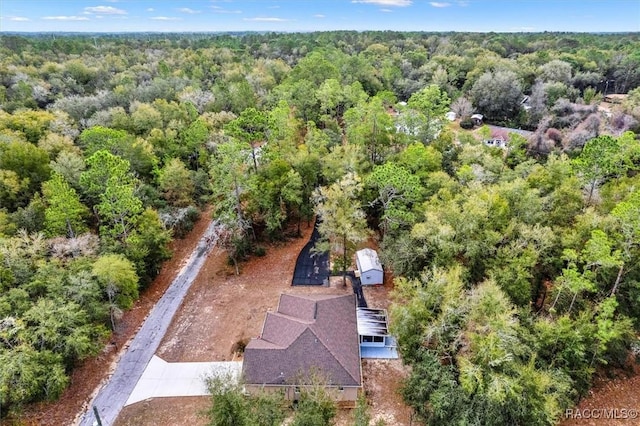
x=500 y=136
x=496 y=143
x=369 y=267
x=307 y=334
x=477 y=119
x=375 y=340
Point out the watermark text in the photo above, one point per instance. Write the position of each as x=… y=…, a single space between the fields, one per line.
x=601 y=413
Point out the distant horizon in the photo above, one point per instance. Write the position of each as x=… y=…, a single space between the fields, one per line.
x=62 y=32
x=306 y=16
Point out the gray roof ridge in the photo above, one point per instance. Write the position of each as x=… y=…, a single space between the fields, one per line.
x=272 y=346
x=291 y=318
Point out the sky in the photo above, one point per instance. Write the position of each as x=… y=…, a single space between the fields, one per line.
x=319 y=15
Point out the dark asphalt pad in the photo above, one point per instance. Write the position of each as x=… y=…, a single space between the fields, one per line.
x=357 y=289
x=312 y=268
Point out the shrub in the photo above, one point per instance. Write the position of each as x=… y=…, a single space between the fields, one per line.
x=466 y=123
x=239 y=346
x=621 y=122
x=577 y=139
x=554 y=134
x=180 y=220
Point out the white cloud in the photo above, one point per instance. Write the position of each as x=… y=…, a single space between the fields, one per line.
x=187 y=10
x=266 y=19
x=218 y=9
x=386 y=10
x=150 y=9
x=105 y=10
x=18 y=19
x=319 y=16
x=65 y=18
x=395 y=3
x=439 y=4
x=165 y=18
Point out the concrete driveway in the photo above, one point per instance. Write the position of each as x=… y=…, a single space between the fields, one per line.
x=118 y=388
x=164 y=379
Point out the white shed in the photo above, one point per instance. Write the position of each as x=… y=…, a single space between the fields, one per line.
x=369 y=267
x=477 y=119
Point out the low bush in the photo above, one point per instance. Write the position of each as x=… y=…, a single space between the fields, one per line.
x=466 y=123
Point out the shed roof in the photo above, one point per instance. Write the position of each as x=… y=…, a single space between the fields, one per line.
x=307 y=332
x=368 y=260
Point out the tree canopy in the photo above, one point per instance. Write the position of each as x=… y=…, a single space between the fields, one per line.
x=515 y=268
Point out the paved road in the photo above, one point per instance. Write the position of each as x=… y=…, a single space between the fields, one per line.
x=114 y=394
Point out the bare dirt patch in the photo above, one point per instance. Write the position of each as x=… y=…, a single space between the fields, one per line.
x=609 y=397
x=166 y=412
x=382 y=379
x=223 y=309
x=91 y=372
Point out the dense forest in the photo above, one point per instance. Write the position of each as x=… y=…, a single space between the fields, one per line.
x=516 y=268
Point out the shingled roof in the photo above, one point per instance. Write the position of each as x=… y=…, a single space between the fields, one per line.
x=306 y=333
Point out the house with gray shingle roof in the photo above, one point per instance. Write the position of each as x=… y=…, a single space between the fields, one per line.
x=307 y=335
